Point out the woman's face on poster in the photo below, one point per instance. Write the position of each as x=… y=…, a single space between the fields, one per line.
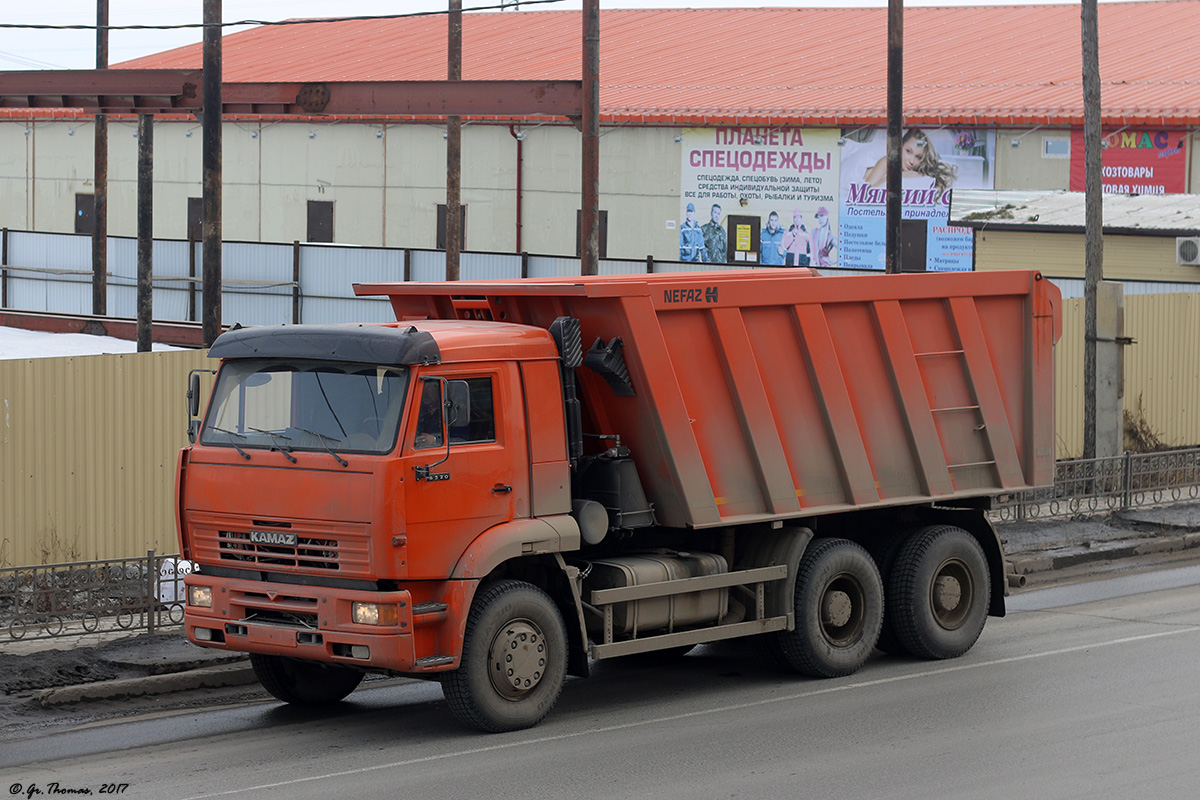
x=911 y=154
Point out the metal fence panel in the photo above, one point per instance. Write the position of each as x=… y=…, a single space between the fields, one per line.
x=88 y=447
x=53 y=600
x=428 y=265
x=327 y=275
x=553 y=267
x=489 y=266
x=622 y=266
x=56 y=275
x=257 y=280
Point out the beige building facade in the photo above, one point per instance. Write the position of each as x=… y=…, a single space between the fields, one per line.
x=381 y=184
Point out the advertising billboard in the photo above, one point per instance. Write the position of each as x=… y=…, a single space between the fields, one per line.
x=1135 y=162
x=934 y=162
x=759 y=196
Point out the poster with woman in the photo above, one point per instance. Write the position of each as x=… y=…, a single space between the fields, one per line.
x=934 y=163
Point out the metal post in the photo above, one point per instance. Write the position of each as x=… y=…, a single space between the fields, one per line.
x=151 y=594
x=1094 y=217
x=589 y=228
x=895 y=111
x=145 y=233
x=191 y=284
x=295 y=282
x=454 y=151
x=4 y=273
x=100 y=179
x=211 y=124
x=1127 y=478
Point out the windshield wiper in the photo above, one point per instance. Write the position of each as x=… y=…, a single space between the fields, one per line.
x=321 y=438
x=282 y=448
x=241 y=452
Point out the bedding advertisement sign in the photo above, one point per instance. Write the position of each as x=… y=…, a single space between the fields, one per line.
x=1135 y=162
x=935 y=162
x=759 y=196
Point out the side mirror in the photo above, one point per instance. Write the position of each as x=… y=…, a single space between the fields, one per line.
x=458 y=403
x=193 y=395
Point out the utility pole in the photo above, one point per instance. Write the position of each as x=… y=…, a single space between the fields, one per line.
x=211 y=129
x=145 y=233
x=589 y=204
x=895 y=111
x=1094 y=219
x=100 y=179
x=454 y=151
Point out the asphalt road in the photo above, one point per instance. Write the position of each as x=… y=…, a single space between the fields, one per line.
x=1086 y=691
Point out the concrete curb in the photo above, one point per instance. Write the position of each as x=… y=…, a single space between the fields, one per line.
x=1061 y=558
x=203 y=678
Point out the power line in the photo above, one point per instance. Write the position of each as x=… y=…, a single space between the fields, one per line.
x=24 y=61
x=262 y=22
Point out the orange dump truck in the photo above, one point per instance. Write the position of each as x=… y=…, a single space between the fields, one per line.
x=520 y=477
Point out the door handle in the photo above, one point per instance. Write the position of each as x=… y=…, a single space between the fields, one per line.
x=501 y=489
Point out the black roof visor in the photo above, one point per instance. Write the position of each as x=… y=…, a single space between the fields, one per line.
x=367 y=344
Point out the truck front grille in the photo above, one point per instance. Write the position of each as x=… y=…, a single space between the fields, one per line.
x=308 y=552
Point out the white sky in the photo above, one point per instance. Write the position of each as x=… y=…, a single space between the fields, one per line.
x=18 y=343
x=22 y=49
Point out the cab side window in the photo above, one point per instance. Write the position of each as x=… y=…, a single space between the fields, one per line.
x=480 y=424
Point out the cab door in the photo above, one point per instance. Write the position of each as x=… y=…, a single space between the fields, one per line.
x=463 y=475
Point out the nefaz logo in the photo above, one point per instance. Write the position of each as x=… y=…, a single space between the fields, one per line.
x=273 y=537
x=706 y=295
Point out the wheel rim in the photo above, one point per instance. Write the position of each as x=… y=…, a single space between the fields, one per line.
x=952 y=594
x=517 y=659
x=843 y=604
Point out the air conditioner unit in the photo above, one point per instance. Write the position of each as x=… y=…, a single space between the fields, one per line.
x=1187 y=251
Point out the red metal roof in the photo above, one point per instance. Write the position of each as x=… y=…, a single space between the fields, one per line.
x=994 y=65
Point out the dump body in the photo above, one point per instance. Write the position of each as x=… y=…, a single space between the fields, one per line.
x=785 y=394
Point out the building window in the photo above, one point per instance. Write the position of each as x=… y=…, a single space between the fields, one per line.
x=1056 y=147
x=85 y=213
x=320 y=221
x=441 y=227
x=603 y=235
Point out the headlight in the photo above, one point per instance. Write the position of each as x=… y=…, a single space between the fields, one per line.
x=200 y=596
x=374 y=614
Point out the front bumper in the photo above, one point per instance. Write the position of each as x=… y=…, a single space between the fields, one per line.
x=310 y=622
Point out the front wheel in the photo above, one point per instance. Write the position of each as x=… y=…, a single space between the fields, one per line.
x=938 y=593
x=839 y=611
x=304 y=683
x=514 y=659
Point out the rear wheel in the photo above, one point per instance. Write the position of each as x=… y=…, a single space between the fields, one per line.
x=884 y=552
x=514 y=659
x=839 y=610
x=938 y=593
x=304 y=683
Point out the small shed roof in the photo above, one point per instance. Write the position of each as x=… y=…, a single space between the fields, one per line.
x=965 y=65
x=1064 y=212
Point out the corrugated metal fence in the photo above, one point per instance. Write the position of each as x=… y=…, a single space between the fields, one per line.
x=88 y=449
x=263 y=283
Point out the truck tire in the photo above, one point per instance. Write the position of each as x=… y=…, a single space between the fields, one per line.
x=514 y=659
x=304 y=683
x=885 y=552
x=938 y=593
x=839 y=610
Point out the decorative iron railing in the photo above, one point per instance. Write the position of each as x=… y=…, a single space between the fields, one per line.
x=134 y=594
x=1103 y=485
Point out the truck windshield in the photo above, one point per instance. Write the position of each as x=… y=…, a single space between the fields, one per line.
x=306 y=405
